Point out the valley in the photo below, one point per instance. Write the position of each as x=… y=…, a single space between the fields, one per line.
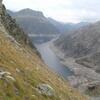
x=52 y=60
x=77 y=75
x=42 y=58
x=23 y=74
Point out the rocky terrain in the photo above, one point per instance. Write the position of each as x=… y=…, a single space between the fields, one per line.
x=34 y=22
x=82 y=42
x=80 y=51
x=23 y=75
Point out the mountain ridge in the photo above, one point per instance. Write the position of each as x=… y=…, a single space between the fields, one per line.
x=25 y=11
x=66 y=27
x=34 y=22
x=54 y=26
x=87 y=36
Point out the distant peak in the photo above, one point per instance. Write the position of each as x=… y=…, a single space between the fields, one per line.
x=31 y=12
x=26 y=9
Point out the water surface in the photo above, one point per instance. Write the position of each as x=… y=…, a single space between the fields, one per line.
x=52 y=60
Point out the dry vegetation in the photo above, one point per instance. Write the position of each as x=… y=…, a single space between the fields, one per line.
x=28 y=71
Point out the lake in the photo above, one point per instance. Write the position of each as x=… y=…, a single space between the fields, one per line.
x=52 y=60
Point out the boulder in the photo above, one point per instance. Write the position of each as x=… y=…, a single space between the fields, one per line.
x=45 y=89
x=6 y=75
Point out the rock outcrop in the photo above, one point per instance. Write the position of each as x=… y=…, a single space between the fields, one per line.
x=4 y=75
x=12 y=28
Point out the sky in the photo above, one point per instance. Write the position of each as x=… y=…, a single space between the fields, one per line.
x=62 y=10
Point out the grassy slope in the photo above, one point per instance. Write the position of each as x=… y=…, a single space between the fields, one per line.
x=31 y=72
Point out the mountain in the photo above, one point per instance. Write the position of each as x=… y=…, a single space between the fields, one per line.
x=80 y=52
x=34 y=22
x=29 y=20
x=81 y=42
x=65 y=27
x=23 y=75
x=28 y=12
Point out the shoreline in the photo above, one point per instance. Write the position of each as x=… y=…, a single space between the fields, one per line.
x=83 y=77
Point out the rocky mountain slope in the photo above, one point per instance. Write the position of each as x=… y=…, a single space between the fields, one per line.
x=34 y=22
x=82 y=42
x=23 y=76
x=80 y=51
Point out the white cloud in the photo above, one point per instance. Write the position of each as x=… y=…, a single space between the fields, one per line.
x=62 y=10
x=36 y=4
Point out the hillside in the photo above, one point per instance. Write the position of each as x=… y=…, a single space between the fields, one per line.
x=34 y=22
x=23 y=76
x=13 y=29
x=80 y=51
x=81 y=42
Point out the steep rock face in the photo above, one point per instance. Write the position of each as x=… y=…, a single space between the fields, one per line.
x=21 y=71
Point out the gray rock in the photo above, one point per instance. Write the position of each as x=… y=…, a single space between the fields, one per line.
x=17 y=70
x=6 y=75
x=45 y=89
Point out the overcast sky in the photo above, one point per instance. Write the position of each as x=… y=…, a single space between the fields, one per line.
x=62 y=10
